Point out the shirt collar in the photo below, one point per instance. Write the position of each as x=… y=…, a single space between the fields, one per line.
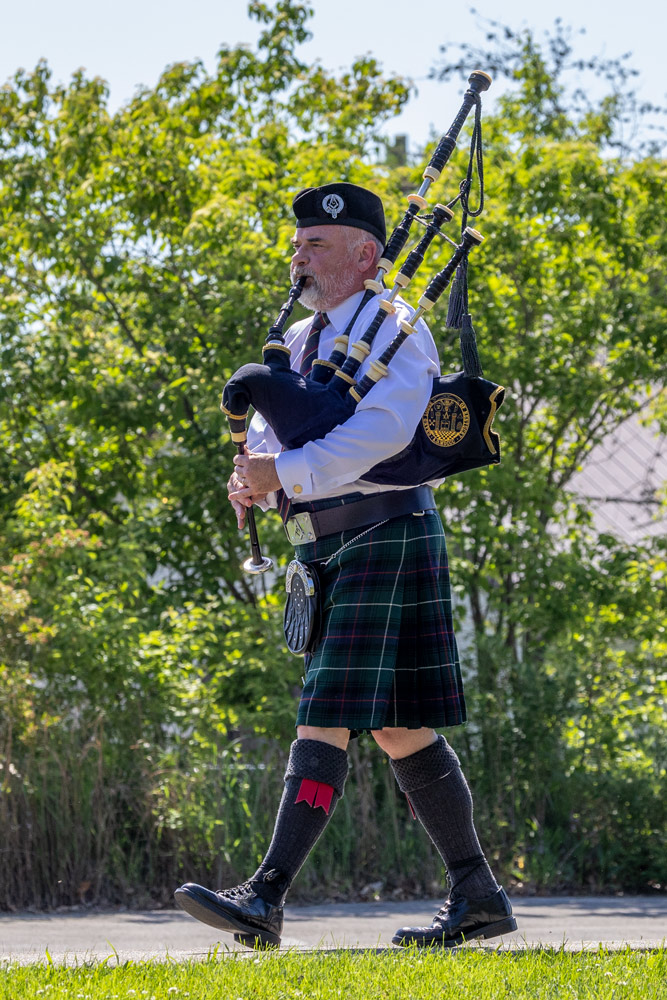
x=340 y=315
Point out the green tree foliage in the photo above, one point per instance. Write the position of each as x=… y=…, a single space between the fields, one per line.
x=143 y=683
x=142 y=259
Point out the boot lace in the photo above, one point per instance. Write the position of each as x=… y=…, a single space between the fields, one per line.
x=242 y=890
x=237 y=891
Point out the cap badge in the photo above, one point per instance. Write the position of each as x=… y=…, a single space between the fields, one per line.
x=333 y=204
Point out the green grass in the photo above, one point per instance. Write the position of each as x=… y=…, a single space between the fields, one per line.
x=408 y=975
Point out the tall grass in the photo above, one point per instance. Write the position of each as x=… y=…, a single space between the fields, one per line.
x=87 y=819
x=81 y=825
x=163 y=768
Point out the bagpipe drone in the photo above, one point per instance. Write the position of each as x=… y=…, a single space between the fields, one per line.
x=455 y=433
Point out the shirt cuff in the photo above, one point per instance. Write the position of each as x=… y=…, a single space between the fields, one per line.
x=293 y=473
x=270 y=502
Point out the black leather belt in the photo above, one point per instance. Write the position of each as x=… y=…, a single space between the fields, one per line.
x=307 y=526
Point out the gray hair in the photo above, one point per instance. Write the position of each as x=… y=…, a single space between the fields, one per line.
x=354 y=237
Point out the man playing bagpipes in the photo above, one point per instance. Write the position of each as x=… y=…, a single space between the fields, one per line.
x=385 y=659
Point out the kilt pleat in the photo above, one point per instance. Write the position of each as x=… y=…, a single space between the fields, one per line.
x=387 y=655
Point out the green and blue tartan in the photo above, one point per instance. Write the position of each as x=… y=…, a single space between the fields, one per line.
x=388 y=655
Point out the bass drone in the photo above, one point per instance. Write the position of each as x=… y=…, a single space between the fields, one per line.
x=455 y=433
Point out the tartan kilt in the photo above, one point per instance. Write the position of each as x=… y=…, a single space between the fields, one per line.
x=387 y=655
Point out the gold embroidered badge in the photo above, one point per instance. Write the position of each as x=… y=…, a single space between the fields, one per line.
x=446 y=420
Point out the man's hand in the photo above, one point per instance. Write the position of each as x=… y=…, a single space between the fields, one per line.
x=239 y=501
x=254 y=476
x=257 y=472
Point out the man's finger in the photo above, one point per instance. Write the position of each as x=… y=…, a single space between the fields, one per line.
x=240 y=509
x=237 y=481
x=242 y=495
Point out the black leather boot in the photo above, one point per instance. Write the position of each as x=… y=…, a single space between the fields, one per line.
x=253 y=912
x=462 y=919
x=241 y=910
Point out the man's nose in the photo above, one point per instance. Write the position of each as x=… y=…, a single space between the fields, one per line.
x=299 y=256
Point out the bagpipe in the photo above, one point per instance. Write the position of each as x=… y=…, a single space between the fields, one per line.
x=455 y=433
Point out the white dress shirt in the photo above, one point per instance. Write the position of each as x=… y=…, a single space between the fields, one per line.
x=383 y=423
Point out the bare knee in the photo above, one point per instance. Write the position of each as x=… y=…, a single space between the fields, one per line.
x=397 y=742
x=335 y=737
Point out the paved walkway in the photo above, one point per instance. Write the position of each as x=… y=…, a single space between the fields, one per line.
x=573 y=922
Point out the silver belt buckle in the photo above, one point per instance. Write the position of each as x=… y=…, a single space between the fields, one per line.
x=300 y=529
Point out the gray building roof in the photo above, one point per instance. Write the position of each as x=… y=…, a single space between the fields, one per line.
x=622 y=479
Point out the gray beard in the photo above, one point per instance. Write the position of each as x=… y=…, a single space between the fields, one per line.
x=324 y=292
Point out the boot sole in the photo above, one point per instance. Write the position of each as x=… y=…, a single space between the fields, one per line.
x=504 y=926
x=256 y=940
x=244 y=933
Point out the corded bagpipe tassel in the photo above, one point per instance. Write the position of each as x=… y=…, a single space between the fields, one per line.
x=469 y=355
x=458 y=318
x=458 y=299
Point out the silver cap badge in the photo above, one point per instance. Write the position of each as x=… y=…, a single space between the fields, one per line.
x=333 y=204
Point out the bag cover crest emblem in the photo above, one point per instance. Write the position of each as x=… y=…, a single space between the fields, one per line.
x=446 y=420
x=333 y=204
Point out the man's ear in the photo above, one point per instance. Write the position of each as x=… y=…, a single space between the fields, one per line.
x=367 y=251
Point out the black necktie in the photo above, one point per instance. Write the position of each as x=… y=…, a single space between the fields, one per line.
x=311 y=347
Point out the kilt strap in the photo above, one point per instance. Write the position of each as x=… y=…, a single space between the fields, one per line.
x=308 y=525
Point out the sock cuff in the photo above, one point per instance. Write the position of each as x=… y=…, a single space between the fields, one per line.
x=424 y=767
x=318 y=761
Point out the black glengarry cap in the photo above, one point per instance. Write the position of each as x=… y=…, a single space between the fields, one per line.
x=340 y=204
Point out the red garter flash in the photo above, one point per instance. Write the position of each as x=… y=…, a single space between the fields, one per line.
x=315 y=793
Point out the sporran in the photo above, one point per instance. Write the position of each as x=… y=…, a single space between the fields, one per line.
x=302 y=617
